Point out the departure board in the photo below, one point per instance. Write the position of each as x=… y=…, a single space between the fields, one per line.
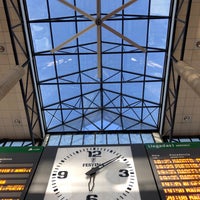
x=176 y=168
x=17 y=166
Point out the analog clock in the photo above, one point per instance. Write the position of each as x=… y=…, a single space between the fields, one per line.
x=93 y=173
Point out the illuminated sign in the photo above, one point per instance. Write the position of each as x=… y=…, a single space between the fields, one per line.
x=15 y=170
x=178 y=176
x=12 y=187
x=17 y=165
x=177 y=170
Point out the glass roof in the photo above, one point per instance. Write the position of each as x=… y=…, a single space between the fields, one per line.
x=100 y=64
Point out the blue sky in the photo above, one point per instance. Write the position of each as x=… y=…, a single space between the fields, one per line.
x=60 y=69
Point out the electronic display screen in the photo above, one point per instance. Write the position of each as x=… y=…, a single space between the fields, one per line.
x=17 y=165
x=176 y=168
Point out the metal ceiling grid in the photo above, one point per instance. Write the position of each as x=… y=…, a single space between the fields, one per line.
x=127 y=95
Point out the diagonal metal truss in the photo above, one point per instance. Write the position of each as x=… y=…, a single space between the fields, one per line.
x=99 y=22
x=178 y=50
x=16 y=29
x=109 y=111
x=101 y=108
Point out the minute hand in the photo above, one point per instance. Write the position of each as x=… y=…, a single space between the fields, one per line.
x=97 y=168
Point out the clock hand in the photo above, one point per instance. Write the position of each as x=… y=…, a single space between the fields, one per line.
x=97 y=168
x=91 y=182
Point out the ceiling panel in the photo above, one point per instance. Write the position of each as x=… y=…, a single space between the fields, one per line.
x=187 y=121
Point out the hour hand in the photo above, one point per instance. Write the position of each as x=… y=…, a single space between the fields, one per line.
x=97 y=168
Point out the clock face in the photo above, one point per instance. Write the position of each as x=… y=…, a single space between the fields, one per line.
x=117 y=180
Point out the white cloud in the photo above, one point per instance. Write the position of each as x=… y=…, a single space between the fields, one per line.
x=133 y=59
x=153 y=64
x=58 y=62
x=37 y=27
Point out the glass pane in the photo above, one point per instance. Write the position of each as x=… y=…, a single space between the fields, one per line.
x=17 y=144
x=49 y=94
x=65 y=140
x=88 y=139
x=54 y=140
x=88 y=88
x=77 y=140
x=63 y=31
x=27 y=143
x=133 y=89
x=53 y=118
x=88 y=62
x=107 y=33
x=147 y=138
x=41 y=36
x=158 y=33
x=185 y=140
x=127 y=95
x=136 y=31
x=150 y=116
x=89 y=76
x=160 y=7
x=112 y=139
x=90 y=36
x=195 y=139
x=7 y=144
x=112 y=64
x=152 y=91
x=58 y=9
x=91 y=100
x=155 y=64
x=88 y=6
x=45 y=67
x=66 y=66
x=109 y=7
x=135 y=138
x=32 y=6
x=138 y=8
x=68 y=91
x=134 y=62
x=113 y=87
x=134 y=113
x=101 y=139
x=124 y=139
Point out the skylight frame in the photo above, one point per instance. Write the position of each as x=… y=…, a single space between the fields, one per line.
x=59 y=104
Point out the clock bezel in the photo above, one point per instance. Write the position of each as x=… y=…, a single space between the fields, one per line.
x=57 y=184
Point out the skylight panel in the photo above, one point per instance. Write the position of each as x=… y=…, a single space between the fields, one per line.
x=155 y=64
x=41 y=36
x=158 y=33
x=161 y=8
x=57 y=10
x=152 y=91
x=61 y=30
x=138 y=8
x=42 y=12
x=136 y=30
x=45 y=67
x=73 y=44
x=49 y=94
x=134 y=63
